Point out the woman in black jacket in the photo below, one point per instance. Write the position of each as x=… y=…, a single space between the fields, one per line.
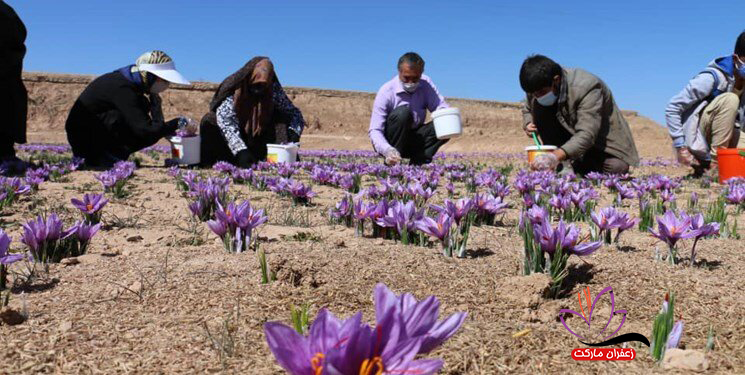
x=13 y=95
x=120 y=113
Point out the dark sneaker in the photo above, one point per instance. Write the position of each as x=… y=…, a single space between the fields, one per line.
x=13 y=166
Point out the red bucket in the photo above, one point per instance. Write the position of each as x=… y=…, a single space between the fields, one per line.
x=731 y=163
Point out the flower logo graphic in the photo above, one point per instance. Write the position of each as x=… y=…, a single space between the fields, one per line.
x=595 y=309
x=591 y=308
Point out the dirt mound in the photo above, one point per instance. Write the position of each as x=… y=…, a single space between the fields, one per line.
x=336 y=119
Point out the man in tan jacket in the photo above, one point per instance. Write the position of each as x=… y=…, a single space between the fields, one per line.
x=575 y=111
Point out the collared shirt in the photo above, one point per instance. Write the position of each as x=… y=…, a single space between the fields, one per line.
x=392 y=95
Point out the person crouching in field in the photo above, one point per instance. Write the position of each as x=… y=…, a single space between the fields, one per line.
x=397 y=127
x=120 y=113
x=13 y=95
x=249 y=110
x=575 y=111
x=709 y=113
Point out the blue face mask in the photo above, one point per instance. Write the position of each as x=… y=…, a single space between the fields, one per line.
x=547 y=100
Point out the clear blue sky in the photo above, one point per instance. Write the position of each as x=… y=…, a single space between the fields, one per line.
x=645 y=50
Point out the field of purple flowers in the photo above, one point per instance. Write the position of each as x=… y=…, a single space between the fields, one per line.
x=339 y=264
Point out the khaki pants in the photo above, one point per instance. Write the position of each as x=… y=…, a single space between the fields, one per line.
x=717 y=122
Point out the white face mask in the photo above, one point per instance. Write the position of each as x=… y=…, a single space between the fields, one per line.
x=547 y=100
x=159 y=86
x=410 y=87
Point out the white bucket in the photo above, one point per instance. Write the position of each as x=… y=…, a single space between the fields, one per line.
x=447 y=123
x=281 y=153
x=534 y=151
x=185 y=150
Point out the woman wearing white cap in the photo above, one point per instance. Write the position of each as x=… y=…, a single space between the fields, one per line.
x=120 y=113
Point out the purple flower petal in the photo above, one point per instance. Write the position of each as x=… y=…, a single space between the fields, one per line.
x=290 y=349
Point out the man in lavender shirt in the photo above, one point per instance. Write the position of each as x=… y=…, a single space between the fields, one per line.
x=397 y=126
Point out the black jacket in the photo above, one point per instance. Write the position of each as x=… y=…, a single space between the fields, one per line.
x=112 y=118
x=13 y=96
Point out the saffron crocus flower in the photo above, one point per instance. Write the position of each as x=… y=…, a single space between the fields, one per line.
x=83 y=232
x=362 y=210
x=300 y=355
x=242 y=176
x=16 y=186
x=224 y=167
x=439 y=228
x=342 y=209
x=624 y=223
x=360 y=213
x=91 y=206
x=560 y=202
x=405 y=328
x=220 y=228
x=450 y=189
x=197 y=209
x=373 y=193
x=625 y=192
x=487 y=204
x=594 y=176
x=530 y=199
x=322 y=175
x=342 y=212
x=207 y=194
x=537 y=214
x=564 y=237
x=107 y=179
x=500 y=190
x=7 y=258
x=671 y=229
x=42 y=236
x=457 y=210
x=234 y=224
x=487 y=207
x=419 y=317
x=606 y=219
x=401 y=216
x=300 y=192
x=347 y=347
x=675 y=335
x=667 y=196
x=703 y=230
x=736 y=194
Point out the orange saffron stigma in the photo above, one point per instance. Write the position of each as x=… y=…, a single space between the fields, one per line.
x=316 y=363
x=88 y=206
x=370 y=365
x=587 y=295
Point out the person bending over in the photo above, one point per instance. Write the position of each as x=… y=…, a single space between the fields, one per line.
x=397 y=128
x=120 y=113
x=249 y=110
x=709 y=112
x=575 y=111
